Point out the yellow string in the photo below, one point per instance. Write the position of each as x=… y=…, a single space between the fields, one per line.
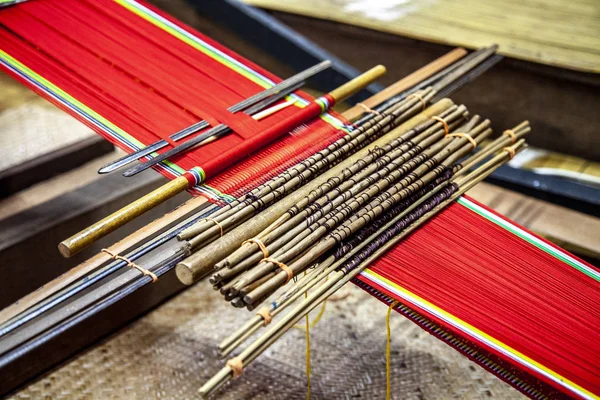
x=388 y=356
x=308 y=371
x=316 y=320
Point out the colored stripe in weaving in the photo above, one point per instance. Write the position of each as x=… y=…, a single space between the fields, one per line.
x=129 y=138
x=505 y=299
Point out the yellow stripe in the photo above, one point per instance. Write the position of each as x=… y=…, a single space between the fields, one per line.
x=489 y=338
x=192 y=43
x=70 y=99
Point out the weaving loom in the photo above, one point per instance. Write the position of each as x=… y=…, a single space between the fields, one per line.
x=510 y=301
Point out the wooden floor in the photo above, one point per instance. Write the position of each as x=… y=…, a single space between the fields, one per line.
x=553 y=32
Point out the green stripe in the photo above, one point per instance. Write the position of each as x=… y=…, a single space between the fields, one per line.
x=529 y=238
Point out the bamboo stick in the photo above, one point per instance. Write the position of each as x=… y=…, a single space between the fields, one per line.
x=86 y=237
x=324 y=291
x=201 y=263
x=287 y=237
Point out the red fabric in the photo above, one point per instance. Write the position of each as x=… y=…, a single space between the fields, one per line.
x=504 y=286
x=144 y=80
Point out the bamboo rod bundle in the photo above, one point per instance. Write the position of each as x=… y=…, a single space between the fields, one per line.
x=202 y=262
x=351 y=265
x=355 y=215
x=302 y=171
x=323 y=268
x=356 y=177
x=380 y=174
x=290 y=233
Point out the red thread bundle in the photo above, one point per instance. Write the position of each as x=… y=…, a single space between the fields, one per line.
x=142 y=78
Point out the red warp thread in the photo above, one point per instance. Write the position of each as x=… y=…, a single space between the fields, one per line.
x=143 y=79
x=505 y=286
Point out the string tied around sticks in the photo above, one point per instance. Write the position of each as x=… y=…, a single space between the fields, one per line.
x=260 y=245
x=285 y=268
x=444 y=123
x=421 y=99
x=511 y=152
x=466 y=136
x=511 y=134
x=214 y=221
x=368 y=109
x=265 y=314
x=237 y=366
x=131 y=264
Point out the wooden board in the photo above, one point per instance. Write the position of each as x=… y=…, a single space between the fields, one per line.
x=552 y=32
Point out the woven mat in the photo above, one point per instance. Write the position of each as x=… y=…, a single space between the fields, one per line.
x=170 y=353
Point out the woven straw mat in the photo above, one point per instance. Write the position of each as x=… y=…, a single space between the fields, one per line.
x=171 y=352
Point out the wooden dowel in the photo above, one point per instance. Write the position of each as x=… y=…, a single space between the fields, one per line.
x=358 y=83
x=86 y=237
x=407 y=82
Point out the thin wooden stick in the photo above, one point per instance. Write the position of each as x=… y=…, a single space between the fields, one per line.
x=407 y=82
x=201 y=263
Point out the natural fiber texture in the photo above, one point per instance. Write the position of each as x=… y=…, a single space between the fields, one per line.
x=170 y=352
